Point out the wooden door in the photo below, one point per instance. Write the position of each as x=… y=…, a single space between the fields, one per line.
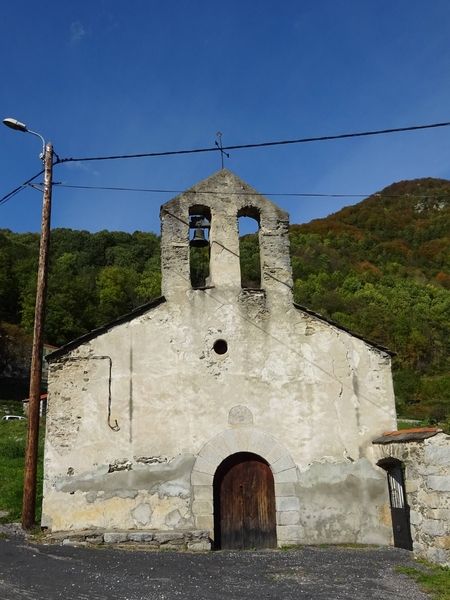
x=244 y=507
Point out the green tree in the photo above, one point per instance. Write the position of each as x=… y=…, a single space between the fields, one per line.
x=116 y=291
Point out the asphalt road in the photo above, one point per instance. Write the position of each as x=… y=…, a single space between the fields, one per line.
x=40 y=572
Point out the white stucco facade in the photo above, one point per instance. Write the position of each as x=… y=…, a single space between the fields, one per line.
x=141 y=413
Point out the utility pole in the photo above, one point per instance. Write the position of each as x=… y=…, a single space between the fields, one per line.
x=34 y=405
x=31 y=452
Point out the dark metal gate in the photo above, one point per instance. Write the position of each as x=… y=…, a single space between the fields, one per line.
x=244 y=503
x=399 y=506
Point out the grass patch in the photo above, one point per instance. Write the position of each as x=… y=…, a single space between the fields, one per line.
x=12 y=452
x=431 y=578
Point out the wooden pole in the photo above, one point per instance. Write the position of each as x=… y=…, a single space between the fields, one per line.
x=31 y=451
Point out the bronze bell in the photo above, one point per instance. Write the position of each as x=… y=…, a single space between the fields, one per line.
x=199 y=240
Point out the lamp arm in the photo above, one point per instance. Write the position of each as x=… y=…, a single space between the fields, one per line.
x=42 y=140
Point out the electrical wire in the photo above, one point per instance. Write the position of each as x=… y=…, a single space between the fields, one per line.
x=215 y=192
x=326 y=371
x=215 y=148
x=240 y=193
x=19 y=188
x=209 y=192
x=258 y=145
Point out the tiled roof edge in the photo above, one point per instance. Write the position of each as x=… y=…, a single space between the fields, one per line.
x=415 y=434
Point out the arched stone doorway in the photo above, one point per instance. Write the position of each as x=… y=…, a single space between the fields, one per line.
x=248 y=439
x=244 y=503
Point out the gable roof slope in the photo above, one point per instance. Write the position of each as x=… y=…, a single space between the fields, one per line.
x=90 y=335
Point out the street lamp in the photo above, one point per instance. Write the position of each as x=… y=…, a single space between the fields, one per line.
x=31 y=451
x=18 y=126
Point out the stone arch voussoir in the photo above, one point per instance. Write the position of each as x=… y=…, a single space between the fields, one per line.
x=284 y=470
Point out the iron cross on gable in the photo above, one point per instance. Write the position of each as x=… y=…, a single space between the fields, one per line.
x=219 y=145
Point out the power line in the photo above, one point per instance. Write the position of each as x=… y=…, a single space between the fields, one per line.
x=330 y=373
x=242 y=193
x=322 y=138
x=19 y=188
x=214 y=192
x=208 y=192
x=215 y=148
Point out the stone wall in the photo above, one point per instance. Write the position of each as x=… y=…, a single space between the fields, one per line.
x=427 y=485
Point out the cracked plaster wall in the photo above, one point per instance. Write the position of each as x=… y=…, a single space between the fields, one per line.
x=320 y=392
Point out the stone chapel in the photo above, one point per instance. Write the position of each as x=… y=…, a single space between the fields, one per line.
x=218 y=413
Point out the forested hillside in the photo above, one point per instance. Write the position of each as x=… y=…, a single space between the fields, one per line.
x=380 y=268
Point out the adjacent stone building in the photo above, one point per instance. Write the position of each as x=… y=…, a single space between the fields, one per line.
x=223 y=409
x=423 y=457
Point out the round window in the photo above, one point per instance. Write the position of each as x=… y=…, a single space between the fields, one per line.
x=220 y=347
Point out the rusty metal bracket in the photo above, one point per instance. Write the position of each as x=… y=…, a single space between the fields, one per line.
x=115 y=426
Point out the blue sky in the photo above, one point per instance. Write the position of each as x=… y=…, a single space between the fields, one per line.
x=104 y=77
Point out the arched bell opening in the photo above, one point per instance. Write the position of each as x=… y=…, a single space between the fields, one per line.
x=199 y=245
x=249 y=248
x=244 y=503
x=401 y=527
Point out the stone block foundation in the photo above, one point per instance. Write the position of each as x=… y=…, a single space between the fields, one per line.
x=195 y=541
